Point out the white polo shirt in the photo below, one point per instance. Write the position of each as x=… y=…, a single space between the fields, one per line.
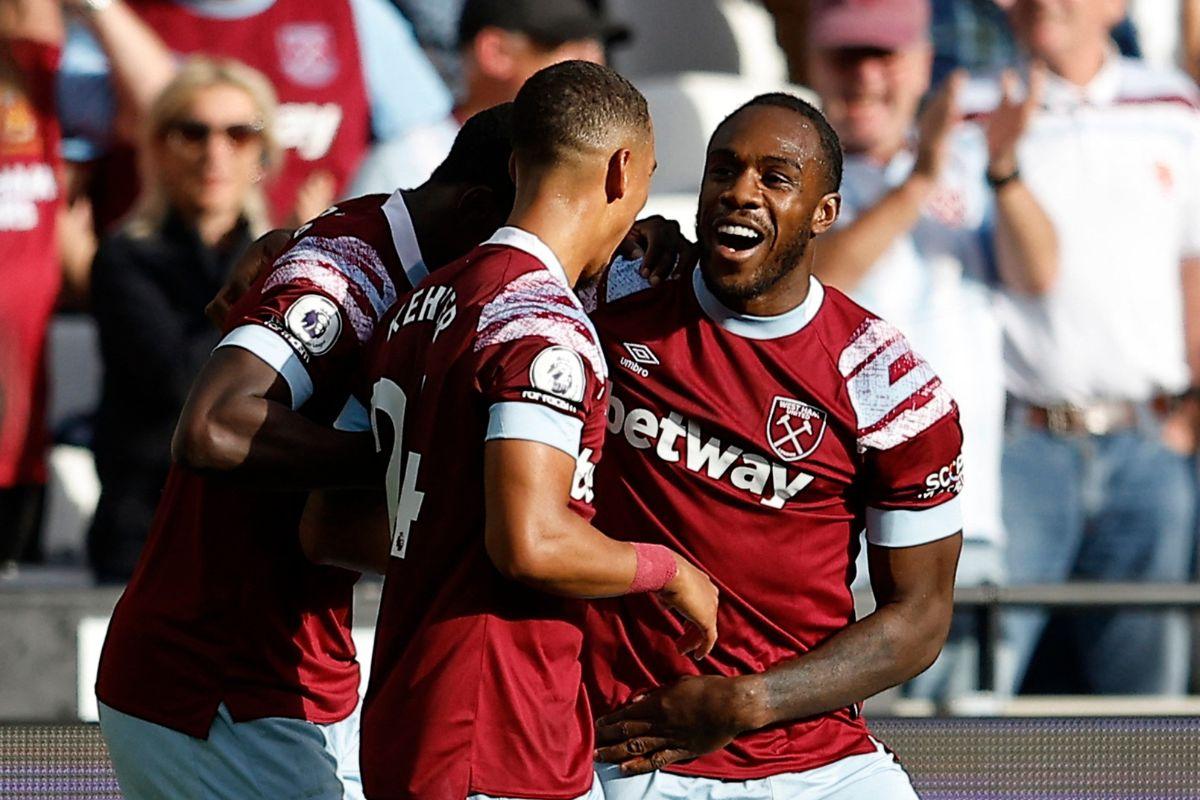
x=1116 y=165
x=934 y=284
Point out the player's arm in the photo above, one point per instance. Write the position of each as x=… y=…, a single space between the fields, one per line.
x=533 y=536
x=238 y=420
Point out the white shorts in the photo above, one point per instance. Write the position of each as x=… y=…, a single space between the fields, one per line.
x=595 y=793
x=264 y=759
x=872 y=776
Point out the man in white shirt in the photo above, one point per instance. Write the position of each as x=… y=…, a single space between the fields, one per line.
x=1101 y=350
x=913 y=245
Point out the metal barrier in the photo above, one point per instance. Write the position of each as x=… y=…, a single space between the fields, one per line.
x=988 y=602
x=948 y=759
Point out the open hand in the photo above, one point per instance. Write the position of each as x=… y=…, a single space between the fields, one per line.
x=257 y=259
x=1009 y=121
x=697 y=715
x=936 y=122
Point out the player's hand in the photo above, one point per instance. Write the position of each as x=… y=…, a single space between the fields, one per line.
x=936 y=122
x=694 y=595
x=1006 y=125
x=697 y=715
x=257 y=259
x=660 y=245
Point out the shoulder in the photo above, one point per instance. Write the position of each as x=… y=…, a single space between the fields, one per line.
x=527 y=301
x=1143 y=83
x=345 y=253
x=894 y=394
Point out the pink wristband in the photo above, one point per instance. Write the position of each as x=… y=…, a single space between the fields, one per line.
x=655 y=568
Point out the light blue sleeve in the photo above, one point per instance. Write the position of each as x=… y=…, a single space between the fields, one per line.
x=87 y=106
x=402 y=86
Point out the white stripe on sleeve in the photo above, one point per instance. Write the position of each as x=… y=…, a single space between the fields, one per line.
x=535 y=423
x=278 y=355
x=896 y=527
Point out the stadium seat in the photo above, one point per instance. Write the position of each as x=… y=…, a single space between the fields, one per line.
x=671 y=36
x=686 y=109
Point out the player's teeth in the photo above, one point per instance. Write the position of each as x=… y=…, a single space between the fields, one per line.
x=738 y=230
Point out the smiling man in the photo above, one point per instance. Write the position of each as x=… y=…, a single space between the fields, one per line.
x=758 y=421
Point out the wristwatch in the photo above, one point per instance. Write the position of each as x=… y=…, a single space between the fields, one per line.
x=992 y=180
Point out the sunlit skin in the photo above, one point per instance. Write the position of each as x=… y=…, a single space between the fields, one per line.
x=870 y=96
x=765 y=171
x=640 y=169
x=211 y=179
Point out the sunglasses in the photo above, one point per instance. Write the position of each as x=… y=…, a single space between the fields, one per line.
x=193 y=133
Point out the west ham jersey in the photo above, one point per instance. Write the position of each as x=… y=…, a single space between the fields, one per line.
x=475 y=682
x=760 y=448
x=310 y=53
x=30 y=163
x=223 y=605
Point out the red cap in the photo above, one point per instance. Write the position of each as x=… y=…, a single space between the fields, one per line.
x=885 y=24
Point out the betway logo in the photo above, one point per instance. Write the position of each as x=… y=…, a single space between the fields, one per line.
x=675 y=439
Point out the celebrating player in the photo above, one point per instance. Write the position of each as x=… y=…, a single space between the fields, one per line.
x=757 y=422
x=489 y=394
x=228 y=670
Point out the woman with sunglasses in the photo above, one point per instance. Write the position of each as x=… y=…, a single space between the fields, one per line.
x=209 y=143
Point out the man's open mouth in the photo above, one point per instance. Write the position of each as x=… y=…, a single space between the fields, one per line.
x=737 y=238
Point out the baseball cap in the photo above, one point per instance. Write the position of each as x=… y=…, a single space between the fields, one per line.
x=885 y=24
x=550 y=22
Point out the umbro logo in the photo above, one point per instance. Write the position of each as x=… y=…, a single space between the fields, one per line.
x=642 y=356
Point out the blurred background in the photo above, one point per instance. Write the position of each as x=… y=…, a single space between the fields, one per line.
x=1021 y=198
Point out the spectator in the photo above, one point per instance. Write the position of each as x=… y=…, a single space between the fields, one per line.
x=1101 y=351
x=334 y=64
x=502 y=43
x=911 y=245
x=30 y=170
x=209 y=142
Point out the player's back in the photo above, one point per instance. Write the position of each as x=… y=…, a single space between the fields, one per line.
x=475 y=682
x=223 y=605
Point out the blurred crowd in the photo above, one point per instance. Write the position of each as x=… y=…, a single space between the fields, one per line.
x=1021 y=197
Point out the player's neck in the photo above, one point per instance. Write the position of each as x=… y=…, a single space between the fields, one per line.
x=789 y=293
x=563 y=225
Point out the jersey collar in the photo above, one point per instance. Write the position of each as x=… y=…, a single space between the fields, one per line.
x=1102 y=90
x=750 y=327
x=527 y=242
x=404 y=238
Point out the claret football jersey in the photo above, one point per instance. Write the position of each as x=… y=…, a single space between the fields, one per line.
x=760 y=447
x=223 y=605
x=475 y=680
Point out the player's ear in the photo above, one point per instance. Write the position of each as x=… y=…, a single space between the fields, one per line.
x=616 y=181
x=826 y=213
x=478 y=208
x=492 y=50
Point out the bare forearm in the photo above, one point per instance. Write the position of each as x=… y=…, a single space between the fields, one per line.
x=879 y=651
x=573 y=559
x=845 y=256
x=141 y=64
x=1026 y=242
x=268 y=445
x=1190 y=276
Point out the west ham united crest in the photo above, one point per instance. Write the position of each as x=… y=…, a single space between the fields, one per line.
x=307 y=53
x=794 y=429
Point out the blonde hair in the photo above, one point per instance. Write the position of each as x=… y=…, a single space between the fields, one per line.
x=170 y=107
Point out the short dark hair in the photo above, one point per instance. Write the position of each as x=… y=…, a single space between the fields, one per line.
x=481 y=152
x=573 y=107
x=831 y=146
